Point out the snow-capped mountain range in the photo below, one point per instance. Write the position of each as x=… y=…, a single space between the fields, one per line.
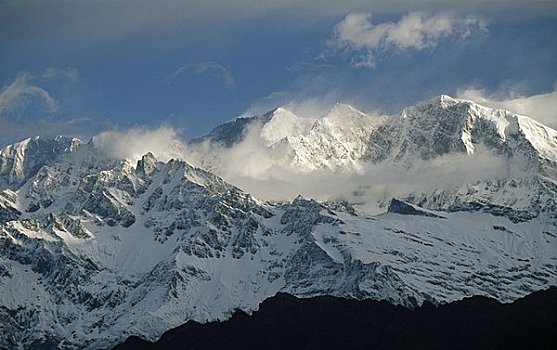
x=94 y=248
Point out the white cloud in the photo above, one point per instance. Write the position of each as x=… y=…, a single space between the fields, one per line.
x=133 y=143
x=267 y=103
x=209 y=68
x=356 y=34
x=25 y=90
x=29 y=108
x=68 y=73
x=15 y=96
x=541 y=107
x=267 y=173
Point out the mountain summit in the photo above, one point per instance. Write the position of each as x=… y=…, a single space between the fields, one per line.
x=345 y=137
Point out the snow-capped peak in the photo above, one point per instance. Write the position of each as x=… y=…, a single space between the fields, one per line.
x=284 y=124
x=439 y=101
x=342 y=110
x=345 y=137
x=22 y=159
x=445 y=125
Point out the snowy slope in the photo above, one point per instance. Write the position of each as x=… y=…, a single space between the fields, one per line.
x=522 y=189
x=94 y=249
x=139 y=249
x=334 y=142
x=443 y=125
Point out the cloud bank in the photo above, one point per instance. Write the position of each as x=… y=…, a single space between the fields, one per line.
x=109 y=20
x=133 y=143
x=268 y=173
x=358 y=37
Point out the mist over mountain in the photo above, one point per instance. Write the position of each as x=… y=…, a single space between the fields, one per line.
x=444 y=143
x=138 y=232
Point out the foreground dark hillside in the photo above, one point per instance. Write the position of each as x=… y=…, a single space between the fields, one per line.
x=286 y=322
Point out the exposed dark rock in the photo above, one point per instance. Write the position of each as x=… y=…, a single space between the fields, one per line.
x=400 y=207
x=8 y=214
x=226 y=134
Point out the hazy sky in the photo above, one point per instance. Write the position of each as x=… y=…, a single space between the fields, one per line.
x=79 y=67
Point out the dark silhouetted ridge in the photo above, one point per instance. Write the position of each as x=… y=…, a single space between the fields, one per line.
x=286 y=322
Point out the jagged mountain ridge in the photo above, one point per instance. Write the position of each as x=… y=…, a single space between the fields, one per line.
x=335 y=142
x=439 y=130
x=116 y=247
x=525 y=190
x=440 y=126
x=22 y=159
x=447 y=125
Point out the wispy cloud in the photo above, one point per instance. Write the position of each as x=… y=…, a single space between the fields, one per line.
x=25 y=90
x=359 y=38
x=314 y=65
x=210 y=69
x=311 y=96
x=306 y=105
x=269 y=174
x=69 y=73
x=28 y=108
x=542 y=107
x=16 y=95
x=133 y=143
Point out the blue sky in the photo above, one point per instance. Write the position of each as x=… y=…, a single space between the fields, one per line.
x=79 y=67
